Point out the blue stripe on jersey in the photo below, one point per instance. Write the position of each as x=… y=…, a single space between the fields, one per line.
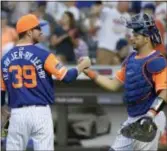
x=26 y=80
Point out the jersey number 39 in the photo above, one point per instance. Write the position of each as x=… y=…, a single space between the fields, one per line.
x=23 y=76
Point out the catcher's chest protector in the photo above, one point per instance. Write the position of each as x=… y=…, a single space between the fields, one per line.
x=139 y=90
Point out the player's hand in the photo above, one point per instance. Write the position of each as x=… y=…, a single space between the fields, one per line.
x=85 y=62
x=151 y=113
x=91 y=74
x=81 y=59
x=86 y=71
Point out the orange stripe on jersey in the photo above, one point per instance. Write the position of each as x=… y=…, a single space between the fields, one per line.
x=160 y=80
x=120 y=75
x=54 y=66
x=3 y=86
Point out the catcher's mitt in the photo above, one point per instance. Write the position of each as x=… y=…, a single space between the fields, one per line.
x=143 y=130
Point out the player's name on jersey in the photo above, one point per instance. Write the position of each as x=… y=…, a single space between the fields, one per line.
x=27 y=56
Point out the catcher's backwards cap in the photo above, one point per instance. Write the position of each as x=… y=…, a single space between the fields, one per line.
x=26 y=23
x=144 y=24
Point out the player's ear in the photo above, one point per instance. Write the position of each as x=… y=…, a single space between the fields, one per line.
x=146 y=39
x=29 y=33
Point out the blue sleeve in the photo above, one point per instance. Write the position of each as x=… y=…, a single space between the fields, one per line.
x=70 y=76
x=2 y=98
x=41 y=52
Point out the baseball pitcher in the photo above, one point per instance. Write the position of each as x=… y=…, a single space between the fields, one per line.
x=26 y=74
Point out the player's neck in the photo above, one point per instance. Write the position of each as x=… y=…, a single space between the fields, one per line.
x=145 y=50
x=24 y=41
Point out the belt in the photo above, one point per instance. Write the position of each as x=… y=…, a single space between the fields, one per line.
x=37 y=105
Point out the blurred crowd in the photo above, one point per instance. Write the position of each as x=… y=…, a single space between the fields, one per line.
x=83 y=28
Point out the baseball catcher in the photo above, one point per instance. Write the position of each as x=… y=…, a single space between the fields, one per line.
x=143 y=76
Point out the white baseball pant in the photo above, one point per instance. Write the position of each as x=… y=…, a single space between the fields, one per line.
x=33 y=122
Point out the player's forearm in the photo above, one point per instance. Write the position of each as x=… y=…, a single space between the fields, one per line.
x=70 y=76
x=163 y=95
x=73 y=73
x=158 y=104
x=106 y=83
x=80 y=67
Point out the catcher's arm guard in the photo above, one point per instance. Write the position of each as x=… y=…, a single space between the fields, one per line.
x=144 y=130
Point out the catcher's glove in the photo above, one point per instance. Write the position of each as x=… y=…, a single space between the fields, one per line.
x=144 y=129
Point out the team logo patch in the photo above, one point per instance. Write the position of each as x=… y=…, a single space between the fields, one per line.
x=59 y=66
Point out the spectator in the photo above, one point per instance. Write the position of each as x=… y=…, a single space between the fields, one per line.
x=150 y=9
x=56 y=9
x=18 y=9
x=71 y=7
x=5 y=7
x=46 y=31
x=123 y=49
x=93 y=23
x=46 y=16
x=8 y=36
x=135 y=7
x=84 y=4
x=111 y=3
x=80 y=47
x=61 y=40
x=160 y=13
x=36 y=10
x=144 y=3
x=112 y=28
x=59 y=8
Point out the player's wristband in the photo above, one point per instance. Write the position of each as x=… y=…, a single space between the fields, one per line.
x=91 y=74
x=157 y=106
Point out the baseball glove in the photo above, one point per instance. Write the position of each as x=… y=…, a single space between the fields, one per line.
x=144 y=129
